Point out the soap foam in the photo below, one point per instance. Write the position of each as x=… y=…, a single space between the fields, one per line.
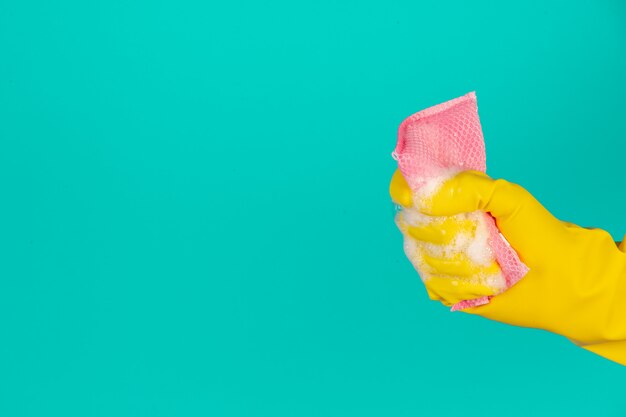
x=429 y=186
x=473 y=244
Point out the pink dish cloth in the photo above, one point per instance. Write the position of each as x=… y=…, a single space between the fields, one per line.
x=449 y=135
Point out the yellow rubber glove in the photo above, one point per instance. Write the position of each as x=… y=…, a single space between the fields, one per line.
x=576 y=286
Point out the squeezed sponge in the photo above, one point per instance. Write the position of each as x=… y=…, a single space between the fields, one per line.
x=434 y=145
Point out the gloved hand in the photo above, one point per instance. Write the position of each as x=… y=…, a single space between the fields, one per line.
x=576 y=286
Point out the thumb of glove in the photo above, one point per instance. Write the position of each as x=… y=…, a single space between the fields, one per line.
x=519 y=216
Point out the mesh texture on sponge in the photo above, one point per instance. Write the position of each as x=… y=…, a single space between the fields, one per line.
x=445 y=138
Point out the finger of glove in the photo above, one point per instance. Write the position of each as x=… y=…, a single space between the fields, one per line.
x=442 y=231
x=399 y=190
x=433 y=295
x=459 y=265
x=451 y=290
x=431 y=243
x=521 y=305
x=451 y=279
x=519 y=216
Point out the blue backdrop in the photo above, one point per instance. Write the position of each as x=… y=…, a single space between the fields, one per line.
x=195 y=221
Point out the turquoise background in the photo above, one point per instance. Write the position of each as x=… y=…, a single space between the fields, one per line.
x=195 y=219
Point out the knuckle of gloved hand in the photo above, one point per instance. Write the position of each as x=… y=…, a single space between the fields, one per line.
x=602 y=237
x=511 y=188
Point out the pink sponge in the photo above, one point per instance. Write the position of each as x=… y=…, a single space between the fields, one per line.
x=449 y=137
